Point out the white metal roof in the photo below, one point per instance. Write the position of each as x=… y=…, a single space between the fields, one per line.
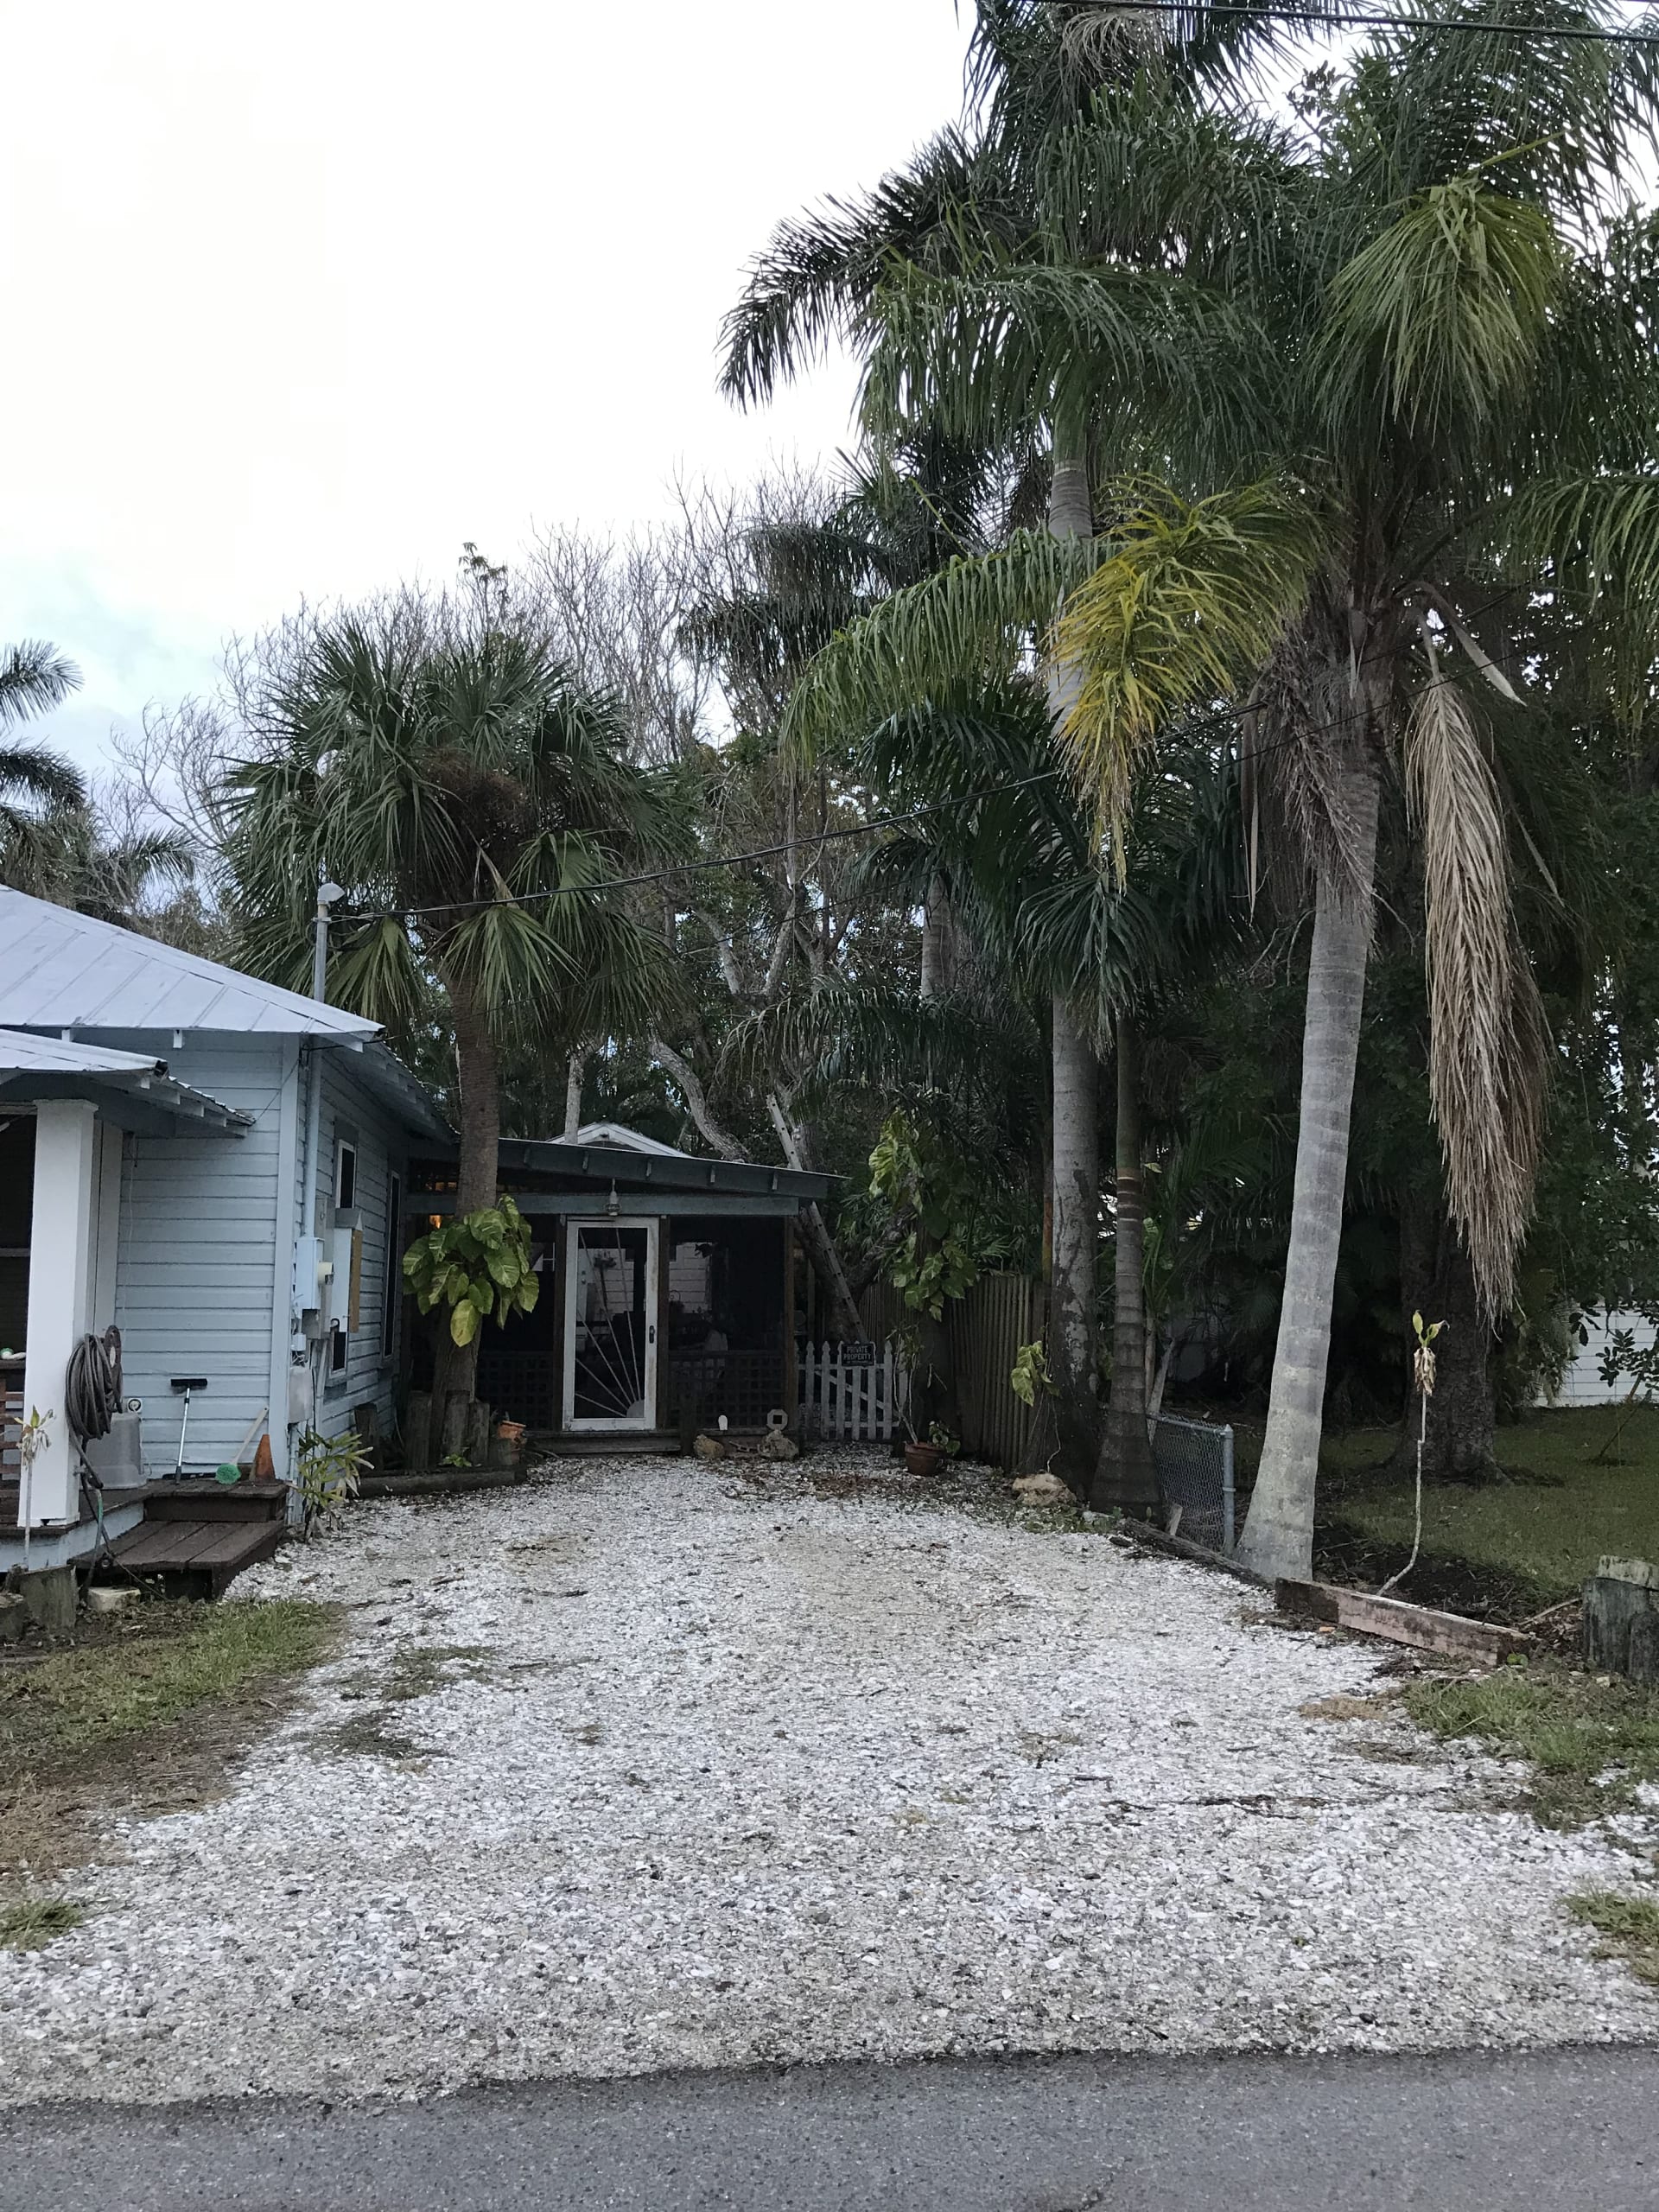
x=63 y=970
x=22 y=1055
x=626 y=1139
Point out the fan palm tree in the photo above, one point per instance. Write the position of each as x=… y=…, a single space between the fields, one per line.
x=444 y=766
x=1427 y=323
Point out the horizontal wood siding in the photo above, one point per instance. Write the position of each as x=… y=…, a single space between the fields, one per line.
x=371 y=1374
x=193 y=1264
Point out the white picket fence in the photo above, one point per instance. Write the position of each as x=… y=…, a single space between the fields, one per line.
x=861 y=1402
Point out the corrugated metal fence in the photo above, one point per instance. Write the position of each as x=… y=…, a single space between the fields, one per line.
x=985 y=1330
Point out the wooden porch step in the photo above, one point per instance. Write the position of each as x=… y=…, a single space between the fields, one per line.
x=212 y=1501
x=193 y=1558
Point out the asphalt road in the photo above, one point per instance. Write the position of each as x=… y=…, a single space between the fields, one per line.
x=1461 y=2133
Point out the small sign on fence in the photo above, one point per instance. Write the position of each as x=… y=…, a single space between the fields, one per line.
x=854 y=1392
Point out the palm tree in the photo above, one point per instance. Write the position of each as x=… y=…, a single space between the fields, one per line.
x=34 y=678
x=957 y=280
x=73 y=856
x=442 y=763
x=1433 y=327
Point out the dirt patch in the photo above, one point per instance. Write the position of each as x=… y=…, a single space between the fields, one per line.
x=1345 y=1553
x=141 y=1720
x=414 y=1671
x=1347 y=1708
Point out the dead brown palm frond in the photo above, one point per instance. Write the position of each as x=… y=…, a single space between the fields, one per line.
x=1488 y=1044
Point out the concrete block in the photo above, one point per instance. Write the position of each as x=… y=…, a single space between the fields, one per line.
x=14 y=1617
x=111 y=1601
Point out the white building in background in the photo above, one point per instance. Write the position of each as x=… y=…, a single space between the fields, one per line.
x=1582 y=1385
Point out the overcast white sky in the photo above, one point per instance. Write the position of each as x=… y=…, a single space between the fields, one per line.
x=300 y=298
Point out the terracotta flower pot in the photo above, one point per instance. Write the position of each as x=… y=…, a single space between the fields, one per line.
x=924 y=1459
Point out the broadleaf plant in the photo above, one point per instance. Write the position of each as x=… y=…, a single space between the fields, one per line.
x=478 y=1265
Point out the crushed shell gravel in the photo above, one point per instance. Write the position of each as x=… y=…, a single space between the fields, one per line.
x=741 y=1772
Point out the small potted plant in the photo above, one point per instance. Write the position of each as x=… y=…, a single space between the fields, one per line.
x=927 y=1458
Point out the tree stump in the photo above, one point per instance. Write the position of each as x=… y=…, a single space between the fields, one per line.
x=457 y=1421
x=417 y=1430
x=1621 y=1619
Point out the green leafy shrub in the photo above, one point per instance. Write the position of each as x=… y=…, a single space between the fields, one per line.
x=926 y=1186
x=1030 y=1373
x=478 y=1265
x=329 y=1471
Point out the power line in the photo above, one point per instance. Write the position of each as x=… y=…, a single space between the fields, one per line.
x=1221 y=720
x=1319 y=19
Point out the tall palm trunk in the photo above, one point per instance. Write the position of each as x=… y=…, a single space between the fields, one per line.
x=1073 y=1362
x=1279 y=1533
x=936 y=924
x=1125 y=1474
x=478 y=1078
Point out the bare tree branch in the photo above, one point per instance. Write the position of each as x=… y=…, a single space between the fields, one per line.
x=689 y=1086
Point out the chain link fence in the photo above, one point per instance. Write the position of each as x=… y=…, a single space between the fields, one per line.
x=1195 y=1468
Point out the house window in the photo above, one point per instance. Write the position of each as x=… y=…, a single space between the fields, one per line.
x=394 y=1292
x=344 y=1175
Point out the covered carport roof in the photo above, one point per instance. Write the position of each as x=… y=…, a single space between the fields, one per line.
x=639 y=1167
x=65 y=1067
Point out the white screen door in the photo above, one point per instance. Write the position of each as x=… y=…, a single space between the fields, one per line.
x=610 y=1324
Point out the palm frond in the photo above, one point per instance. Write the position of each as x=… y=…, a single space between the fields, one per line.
x=990 y=352
x=34 y=678
x=971 y=621
x=1488 y=1044
x=1193 y=597
x=1599 y=533
x=34 y=771
x=1437 y=321
x=819 y=272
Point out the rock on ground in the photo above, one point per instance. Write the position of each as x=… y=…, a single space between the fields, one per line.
x=693 y=1765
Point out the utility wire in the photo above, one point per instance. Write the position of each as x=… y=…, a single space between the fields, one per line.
x=1221 y=719
x=1318 y=19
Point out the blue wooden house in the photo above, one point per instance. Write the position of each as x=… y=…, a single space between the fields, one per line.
x=228 y=1173
x=216 y=1167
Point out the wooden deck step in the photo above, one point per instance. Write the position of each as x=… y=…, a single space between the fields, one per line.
x=211 y=1500
x=193 y=1558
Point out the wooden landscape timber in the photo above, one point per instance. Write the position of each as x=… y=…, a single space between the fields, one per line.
x=1394 y=1619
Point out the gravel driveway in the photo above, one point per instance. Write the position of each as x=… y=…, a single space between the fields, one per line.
x=648 y=1765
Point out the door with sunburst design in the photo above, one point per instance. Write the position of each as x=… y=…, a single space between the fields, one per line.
x=610 y=1325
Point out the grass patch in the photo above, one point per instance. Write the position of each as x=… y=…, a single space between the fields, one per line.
x=181 y=1656
x=27 y=1926
x=1507 y=1548
x=151 y=1716
x=1588 y=1745
x=1628 y=1926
